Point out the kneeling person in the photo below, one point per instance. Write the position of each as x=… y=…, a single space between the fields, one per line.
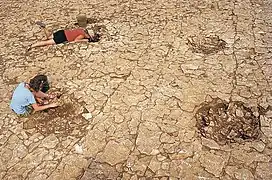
x=26 y=95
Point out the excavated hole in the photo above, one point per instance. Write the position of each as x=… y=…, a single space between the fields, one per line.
x=65 y=120
x=227 y=122
x=206 y=45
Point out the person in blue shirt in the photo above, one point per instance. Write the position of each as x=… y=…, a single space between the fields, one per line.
x=31 y=96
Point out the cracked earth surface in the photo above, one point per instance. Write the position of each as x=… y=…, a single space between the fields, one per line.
x=144 y=84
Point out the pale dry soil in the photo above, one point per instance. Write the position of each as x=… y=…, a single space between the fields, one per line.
x=130 y=104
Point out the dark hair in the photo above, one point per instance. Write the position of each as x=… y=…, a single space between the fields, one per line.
x=95 y=37
x=38 y=82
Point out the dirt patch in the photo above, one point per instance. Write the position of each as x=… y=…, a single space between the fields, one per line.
x=227 y=122
x=98 y=170
x=206 y=45
x=65 y=120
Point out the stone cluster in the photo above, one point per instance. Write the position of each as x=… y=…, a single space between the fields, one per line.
x=228 y=122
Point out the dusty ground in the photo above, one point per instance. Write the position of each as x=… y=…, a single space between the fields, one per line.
x=148 y=85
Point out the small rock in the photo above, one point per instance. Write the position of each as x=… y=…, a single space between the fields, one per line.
x=212 y=163
x=154 y=152
x=118 y=118
x=211 y=124
x=242 y=174
x=259 y=146
x=239 y=113
x=264 y=105
x=256 y=114
x=87 y=116
x=78 y=149
x=160 y=157
x=208 y=98
x=268 y=114
x=267 y=131
x=114 y=153
x=264 y=121
x=154 y=164
x=210 y=143
x=50 y=141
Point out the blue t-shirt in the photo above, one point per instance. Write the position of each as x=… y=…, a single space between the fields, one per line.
x=21 y=98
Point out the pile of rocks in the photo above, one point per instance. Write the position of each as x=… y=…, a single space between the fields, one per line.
x=227 y=122
x=206 y=45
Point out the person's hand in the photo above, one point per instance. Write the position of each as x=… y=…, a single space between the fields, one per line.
x=53 y=105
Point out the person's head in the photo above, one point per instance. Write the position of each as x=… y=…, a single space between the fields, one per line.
x=37 y=83
x=95 y=37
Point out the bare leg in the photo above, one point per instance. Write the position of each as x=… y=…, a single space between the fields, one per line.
x=43 y=43
x=47 y=34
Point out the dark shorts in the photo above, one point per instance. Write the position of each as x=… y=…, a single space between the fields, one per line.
x=59 y=37
x=29 y=109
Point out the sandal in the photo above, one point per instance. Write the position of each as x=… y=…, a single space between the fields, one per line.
x=41 y=24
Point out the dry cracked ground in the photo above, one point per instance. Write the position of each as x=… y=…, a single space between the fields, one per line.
x=174 y=90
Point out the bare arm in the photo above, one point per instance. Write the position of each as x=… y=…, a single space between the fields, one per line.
x=36 y=107
x=41 y=94
x=80 y=38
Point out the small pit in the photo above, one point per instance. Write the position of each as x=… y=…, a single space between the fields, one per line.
x=228 y=122
x=65 y=120
x=206 y=45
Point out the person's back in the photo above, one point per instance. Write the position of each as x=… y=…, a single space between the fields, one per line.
x=72 y=34
x=21 y=98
